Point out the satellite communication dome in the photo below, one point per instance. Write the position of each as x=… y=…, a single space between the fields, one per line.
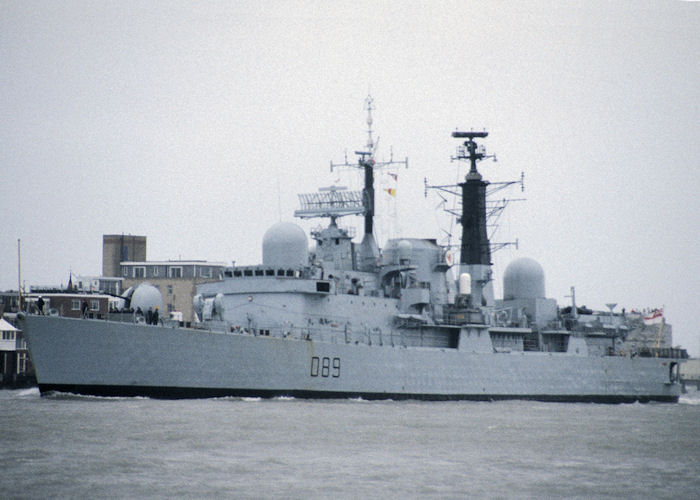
x=146 y=296
x=285 y=246
x=405 y=249
x=523 y=279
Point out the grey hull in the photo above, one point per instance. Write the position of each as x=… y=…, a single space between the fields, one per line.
x=123 y=359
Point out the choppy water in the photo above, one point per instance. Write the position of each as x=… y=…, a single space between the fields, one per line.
x=68 y=446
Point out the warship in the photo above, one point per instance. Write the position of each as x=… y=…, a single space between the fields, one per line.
x=344 y=319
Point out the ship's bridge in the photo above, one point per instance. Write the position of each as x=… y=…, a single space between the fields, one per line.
x=264 y=271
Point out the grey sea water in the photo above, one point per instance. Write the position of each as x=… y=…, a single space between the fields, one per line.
x=66 y=446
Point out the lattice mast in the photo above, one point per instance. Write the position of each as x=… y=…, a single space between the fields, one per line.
x=369 y=251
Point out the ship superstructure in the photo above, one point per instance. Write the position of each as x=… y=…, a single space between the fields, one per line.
x=347 y=319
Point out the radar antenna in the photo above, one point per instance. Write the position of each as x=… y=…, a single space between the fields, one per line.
x=333 y=202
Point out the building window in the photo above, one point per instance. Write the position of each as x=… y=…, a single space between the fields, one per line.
x=139 y=272
x=155 y=270
x=75 y=305
x=94 y=305
x=125 y=272
x=205 y=272
x=175 y=272
x=170 y=289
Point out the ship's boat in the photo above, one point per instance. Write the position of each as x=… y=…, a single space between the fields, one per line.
x=345 y=319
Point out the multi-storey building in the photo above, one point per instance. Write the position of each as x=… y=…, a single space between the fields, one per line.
x=118 y=248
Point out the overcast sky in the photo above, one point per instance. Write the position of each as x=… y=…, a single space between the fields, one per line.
x=197 y=123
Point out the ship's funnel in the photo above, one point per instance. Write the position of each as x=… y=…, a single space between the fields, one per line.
x=369 y=253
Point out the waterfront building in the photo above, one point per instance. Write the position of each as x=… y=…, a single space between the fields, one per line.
x=15 y=367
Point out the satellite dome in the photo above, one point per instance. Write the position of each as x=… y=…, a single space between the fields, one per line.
x=146 y=297
x=523 y=279
x=285 y=246
x=405 y=249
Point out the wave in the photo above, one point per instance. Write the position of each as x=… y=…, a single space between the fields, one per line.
x=684 y=400
x=73 y=395
x=31 y=392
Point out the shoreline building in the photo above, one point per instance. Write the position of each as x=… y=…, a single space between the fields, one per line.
x=118 y=248
x=15 y=366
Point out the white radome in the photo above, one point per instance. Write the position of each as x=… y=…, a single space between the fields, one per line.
x=523 y=279
x=285 y=246
x=146 y=296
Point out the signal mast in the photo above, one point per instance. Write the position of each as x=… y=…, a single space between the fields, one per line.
x=369 y=251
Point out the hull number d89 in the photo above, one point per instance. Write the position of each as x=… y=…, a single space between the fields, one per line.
x=325 y=367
